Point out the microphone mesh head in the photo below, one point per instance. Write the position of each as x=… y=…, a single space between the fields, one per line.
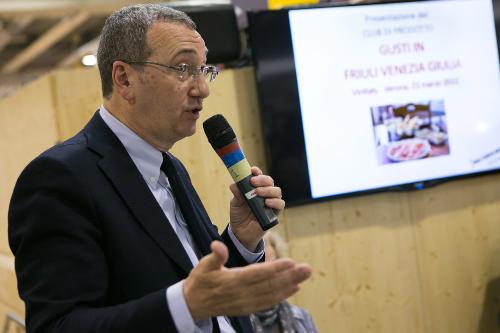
x=218 y=131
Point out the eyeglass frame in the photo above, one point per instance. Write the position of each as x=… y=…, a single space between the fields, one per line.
x=183 y=68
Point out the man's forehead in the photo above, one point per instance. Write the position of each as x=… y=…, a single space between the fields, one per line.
x=173 y=30
x=176 y=35
x=188 y=51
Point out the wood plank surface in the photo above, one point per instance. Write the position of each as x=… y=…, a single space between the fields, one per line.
x=27 y=127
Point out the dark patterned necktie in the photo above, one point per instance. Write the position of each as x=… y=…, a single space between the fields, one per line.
x=189 y=212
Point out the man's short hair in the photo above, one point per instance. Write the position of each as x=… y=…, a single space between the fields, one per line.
x=123 y=36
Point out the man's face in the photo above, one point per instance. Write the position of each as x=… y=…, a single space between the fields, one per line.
x=166 y=106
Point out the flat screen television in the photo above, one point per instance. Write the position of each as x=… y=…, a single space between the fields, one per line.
x=366 y=98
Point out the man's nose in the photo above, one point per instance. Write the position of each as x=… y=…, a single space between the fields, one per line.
x=200 y=87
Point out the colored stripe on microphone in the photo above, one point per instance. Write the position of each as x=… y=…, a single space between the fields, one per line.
x=240 y=170
x=232 y=158
x=228 y=149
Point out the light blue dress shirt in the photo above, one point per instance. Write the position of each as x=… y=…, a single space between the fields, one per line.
x=148 y=160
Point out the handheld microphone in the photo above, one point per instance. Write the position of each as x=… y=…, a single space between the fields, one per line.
x=222 y=138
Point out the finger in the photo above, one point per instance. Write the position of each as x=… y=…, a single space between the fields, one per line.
x=276 y=204
x=216 y=259
x=274 y=290
x=282 y=282
x=220 y=249
x=265 y=189
x=269 y=192
x=262 y=180
x=304 y=270
x=240 y=200
x=298 y=274
x=258 y=272
x=256 y=171
x=236 y=192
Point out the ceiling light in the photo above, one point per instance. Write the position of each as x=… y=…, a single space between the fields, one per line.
x=89 y=60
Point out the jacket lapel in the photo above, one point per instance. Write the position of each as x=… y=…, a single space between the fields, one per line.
x=128 y=182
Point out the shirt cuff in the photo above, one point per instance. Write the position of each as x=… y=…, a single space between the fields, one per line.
x=180 y=312
x=178 y=308
x=250 y=257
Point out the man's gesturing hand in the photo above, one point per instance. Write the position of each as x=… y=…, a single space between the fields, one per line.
x=214 y=290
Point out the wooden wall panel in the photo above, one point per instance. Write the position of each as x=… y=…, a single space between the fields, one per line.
x=27 y=127
x=77 y=96
x=362 y=251
x=8 y=293
x=458 y=241
x=12 y=326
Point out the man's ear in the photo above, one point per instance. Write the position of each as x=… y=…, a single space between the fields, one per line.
x=122 y=76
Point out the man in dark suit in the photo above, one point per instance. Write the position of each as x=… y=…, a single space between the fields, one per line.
x=109 y=234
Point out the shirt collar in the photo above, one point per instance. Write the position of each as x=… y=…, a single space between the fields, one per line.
x=146 y=158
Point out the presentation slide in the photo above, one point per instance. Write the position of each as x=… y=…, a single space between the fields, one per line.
x=397 y=93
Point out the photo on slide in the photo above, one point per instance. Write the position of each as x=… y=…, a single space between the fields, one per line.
x=408 y=132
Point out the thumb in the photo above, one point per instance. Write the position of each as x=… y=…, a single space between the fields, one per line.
x=237 y=194
x=216 y=259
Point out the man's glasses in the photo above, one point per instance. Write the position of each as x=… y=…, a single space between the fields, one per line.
x=184 y=71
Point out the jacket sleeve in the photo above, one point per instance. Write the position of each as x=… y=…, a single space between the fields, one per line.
x=62 y=274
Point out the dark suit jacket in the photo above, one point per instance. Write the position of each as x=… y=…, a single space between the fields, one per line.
x=94 y=251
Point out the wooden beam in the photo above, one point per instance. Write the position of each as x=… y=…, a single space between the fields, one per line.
x=19 y=24
x=51 y=37
x=57 y=8
x=88 y=48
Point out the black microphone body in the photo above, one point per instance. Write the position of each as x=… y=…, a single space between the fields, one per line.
x=222 y=138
